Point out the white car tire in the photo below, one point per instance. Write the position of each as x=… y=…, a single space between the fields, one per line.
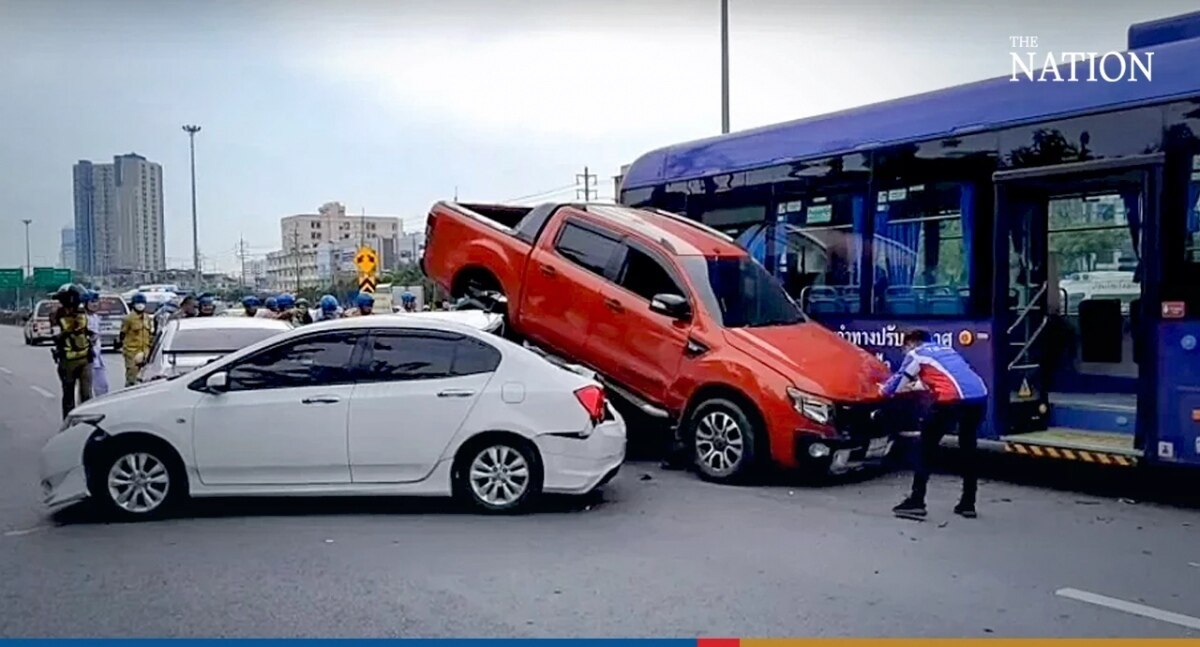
x=137 y=480
x=498 y=474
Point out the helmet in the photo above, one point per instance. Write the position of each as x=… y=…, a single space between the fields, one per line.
x=251 y=302
x=329 y=303
x=206 y=300
x=408 y=297
x=138 y=298
x=89 y=296
x=272 y=303
x=364 y=300
x=285 y=301
x=70 y=294
x=301 y=302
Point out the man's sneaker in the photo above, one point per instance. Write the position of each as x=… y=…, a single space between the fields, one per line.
x=910 y=509
x=965 y=510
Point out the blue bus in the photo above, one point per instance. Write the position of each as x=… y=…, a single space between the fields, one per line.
x=1049 y=231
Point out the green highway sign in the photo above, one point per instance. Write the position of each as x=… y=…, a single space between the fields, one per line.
x=49 y=278
x=11 y=279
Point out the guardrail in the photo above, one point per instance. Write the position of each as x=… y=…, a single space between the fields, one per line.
x=13 y=317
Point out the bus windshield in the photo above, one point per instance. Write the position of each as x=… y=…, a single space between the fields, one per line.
x=739 y=292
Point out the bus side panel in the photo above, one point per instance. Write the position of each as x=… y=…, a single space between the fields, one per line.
x=883 y=338
x=1178 y=421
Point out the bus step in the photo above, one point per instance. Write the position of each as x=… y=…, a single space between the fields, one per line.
x=1106 y=412
x=1080 y=445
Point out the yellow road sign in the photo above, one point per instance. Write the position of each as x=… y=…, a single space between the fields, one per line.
x=366 y=260
x=366 y=284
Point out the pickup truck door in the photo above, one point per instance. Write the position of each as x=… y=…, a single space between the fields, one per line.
x=561 y=294
x=634 y=346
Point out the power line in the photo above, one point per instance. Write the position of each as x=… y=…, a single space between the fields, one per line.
x=544 y=193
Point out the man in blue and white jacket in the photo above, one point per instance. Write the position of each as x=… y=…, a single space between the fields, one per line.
x=959 y=399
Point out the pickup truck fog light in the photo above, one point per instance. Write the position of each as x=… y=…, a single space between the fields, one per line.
x=818 y=450
x=841 y=459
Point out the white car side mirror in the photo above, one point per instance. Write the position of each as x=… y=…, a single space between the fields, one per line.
x=217 y=382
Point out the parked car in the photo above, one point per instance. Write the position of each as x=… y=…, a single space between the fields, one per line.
x=678 y=320
x=360 y=406
x=112 y=311
x=187 y=344
x=37 y=327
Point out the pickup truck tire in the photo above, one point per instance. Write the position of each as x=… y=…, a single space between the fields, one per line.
x=498 y=474
x=723 y=441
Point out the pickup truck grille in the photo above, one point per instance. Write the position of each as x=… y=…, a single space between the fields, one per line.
x=861 y=421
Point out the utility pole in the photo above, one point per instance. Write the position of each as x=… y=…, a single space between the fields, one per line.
x=242 y=258
x=587 y=191
x=191 y=130
x=296 y=256
x=28 y=262
x=724 y=66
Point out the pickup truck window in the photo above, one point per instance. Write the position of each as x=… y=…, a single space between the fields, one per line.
x=586 y=248
x=740 y=293
x=646 y=277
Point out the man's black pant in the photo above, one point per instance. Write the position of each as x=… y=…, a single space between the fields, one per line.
x=942 y=419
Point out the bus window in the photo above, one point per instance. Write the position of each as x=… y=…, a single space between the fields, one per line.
x=921 y=257
x=1191 y=241
x=818 y=250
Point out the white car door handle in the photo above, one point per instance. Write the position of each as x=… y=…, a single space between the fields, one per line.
x=321 y=399
x=456 y=393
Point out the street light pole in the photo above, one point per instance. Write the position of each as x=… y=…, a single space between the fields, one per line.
x=191 y=131
x=724 y=66
x=28 y=262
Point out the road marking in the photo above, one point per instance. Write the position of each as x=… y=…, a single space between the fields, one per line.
x=5 y=371
x=42 y=392
x=1130 y=607
x=27 y=531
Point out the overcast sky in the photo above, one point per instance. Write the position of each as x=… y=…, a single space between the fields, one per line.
x=388 y=105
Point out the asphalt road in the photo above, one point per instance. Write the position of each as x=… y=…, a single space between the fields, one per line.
x=656 y=554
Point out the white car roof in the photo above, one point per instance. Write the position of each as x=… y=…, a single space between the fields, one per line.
x=403 y=320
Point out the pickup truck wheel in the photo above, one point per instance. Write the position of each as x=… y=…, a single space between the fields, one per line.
x=723 y=441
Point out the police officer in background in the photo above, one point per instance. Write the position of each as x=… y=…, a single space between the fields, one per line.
x=206 y=306
x=73 y=346
x=364 y=305
x=250 y=305
x=301 y=315
x=187 y=308
x=137 y=334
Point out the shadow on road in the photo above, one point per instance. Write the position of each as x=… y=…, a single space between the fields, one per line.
x=218 y=507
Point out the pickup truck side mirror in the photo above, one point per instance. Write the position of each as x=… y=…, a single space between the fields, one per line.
x=671 y=305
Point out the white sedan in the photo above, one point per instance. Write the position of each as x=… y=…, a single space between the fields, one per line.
x=396 y=405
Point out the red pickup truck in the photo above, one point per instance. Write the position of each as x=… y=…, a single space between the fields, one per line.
x=677 y=319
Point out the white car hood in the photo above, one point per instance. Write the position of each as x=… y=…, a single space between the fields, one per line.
x=129 y=393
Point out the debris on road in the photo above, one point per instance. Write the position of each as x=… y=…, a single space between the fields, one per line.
x=1127 y=501
x=647 y=477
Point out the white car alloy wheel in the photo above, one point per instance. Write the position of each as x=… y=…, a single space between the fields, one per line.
x=138 y=483
x=499 y=476
x=719 y=443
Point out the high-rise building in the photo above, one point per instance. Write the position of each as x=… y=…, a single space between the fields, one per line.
x=66 y=249
x=119 y=216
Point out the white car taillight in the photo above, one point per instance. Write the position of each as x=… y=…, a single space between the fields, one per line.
x=592 y=399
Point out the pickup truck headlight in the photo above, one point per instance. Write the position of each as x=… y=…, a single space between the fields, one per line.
x=81 y=419
x=813 y=407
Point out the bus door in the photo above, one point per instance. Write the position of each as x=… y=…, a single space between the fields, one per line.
x=1071 y=325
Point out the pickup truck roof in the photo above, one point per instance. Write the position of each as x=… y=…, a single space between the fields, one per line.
x=677 y=234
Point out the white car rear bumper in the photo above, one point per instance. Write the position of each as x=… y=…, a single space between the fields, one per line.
x=580 y=465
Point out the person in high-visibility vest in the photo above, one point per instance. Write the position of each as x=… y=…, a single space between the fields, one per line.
x=137 y=334
x=73 y=345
